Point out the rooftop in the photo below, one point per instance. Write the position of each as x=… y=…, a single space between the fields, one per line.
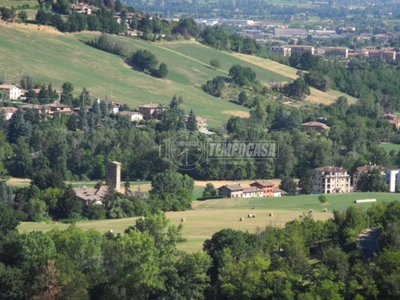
x=232 y=187
x=330 y=169
x=315 y=124
x=91 y=195
x=368 y=168
x=264 y=183
x=8 y=86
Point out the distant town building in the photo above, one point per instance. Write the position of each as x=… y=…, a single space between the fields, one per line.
x=10 y=91
x=368 y=169
x=201 y=123
x=330 y=180
x=323 y=33
x=283 y=50
x=385 y=55
x=290 y=32
x=337 y=52
x=300 y=49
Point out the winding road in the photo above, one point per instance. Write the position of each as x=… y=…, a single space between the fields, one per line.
x=368 y=244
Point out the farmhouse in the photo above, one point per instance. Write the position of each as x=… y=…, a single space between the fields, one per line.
x=96 y=195
x=132 y=115
x=266 y=186
x=10 y=91
x=252 y=192
x=278 y=192
x=149 y=110
x=329 y=180
x=231 y=191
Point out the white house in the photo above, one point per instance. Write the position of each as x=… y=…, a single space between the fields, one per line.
x=10 y=91
x=8 y=111
x=392 y=179
x=252 y=192
x=132 y=115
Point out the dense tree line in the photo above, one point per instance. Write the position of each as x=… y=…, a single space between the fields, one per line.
x=145 y=261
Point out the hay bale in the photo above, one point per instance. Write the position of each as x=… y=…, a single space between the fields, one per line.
x=183 y=220
x=241 y=219
x=310 y=210
x=254 y=215
x=110 y=231
x=271 y=214
x=325 y=210
x=249 y=215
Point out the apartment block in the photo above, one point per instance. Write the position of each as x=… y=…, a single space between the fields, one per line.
x=331 y=180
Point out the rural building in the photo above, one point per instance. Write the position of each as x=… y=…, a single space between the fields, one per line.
x=149 y=110
x=290 y=32
x=389 y=117
x=201 y=123
x=132 y=115
x=317 y=126
x=113 y=175
x=278 y=192
x=337 y=52
x=331 y=180
x=392 y=178
x=115 y=107
x=252 y=191
x=91 y=195
x=368 y=169
x=10 y=91
x=54 y=109
x=266 y=186
x=81 y=8
x=300 y=49
x=284 y=51
x=231 y=191
x=323 y=33
x=395 y=124
x=382 y=55
x=9 y=111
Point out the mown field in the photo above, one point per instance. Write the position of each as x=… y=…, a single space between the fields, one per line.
x=208 y=217
x=389 y=147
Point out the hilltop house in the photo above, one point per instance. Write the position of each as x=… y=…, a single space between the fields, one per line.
x=149 y=110
x=10 y=91
x=132 y=115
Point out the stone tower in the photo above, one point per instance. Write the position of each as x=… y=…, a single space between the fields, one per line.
x=113 y=175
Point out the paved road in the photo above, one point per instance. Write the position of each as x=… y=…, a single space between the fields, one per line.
x=368 y=245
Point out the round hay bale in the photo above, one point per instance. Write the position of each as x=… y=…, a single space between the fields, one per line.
x=310 y=210
x=249 y=215
x=183 y=220
x=271 y=214
x=110 y=231
x=325 y=210
x=254 y=216
x=241 y=219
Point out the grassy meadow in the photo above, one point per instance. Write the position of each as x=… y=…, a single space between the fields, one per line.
x=208 y=217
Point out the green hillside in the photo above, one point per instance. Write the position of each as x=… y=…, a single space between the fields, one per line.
x=54 y=57
x=51 y=56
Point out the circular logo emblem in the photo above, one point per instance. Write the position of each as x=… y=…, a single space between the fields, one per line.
x=187 y=150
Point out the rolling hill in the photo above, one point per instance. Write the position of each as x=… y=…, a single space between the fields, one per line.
x=51 y=56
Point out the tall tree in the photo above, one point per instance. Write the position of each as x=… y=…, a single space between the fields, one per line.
x=191 y=122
